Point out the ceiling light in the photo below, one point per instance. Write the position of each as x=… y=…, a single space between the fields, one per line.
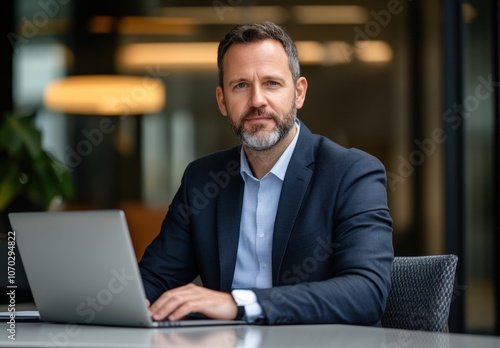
x=310 y=52
x=157 y=25
x=105 y=95
x=334 y=14
x=339 y=52
x=198 y=55
x=228 y=14
x=374 y=51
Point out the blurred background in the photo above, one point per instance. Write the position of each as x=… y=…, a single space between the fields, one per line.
x=120 y=97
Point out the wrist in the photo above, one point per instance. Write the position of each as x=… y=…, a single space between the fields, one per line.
x=247 y=299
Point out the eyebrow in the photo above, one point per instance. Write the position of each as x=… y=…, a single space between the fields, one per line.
x=236 y=81
x=266 y=78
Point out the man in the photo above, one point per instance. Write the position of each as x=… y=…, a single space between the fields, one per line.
x=287 y=228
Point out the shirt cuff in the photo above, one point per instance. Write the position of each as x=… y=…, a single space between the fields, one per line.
x=248 y=299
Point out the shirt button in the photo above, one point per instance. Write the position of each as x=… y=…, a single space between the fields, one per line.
x=262 y=235
x=263 y=265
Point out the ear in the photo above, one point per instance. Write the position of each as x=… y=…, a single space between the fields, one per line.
x=221 y=102
x=300 y=92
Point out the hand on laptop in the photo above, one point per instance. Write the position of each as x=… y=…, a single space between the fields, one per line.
x=178 y=303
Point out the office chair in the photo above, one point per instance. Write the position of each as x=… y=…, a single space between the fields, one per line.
x=421 y=293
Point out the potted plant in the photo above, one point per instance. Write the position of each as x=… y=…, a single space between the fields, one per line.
x=28 y=173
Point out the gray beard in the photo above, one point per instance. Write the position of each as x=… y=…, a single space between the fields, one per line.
x=266 y=141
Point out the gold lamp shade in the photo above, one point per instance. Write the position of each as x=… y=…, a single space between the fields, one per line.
x=110 y=95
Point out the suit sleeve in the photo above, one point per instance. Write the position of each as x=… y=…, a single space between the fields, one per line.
x=169 y=261
x=361 y=259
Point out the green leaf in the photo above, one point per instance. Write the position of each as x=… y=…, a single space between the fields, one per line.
x=10 y=186
x=25 y=129
x=21 y=153
x=60 y=176
x=9 y=141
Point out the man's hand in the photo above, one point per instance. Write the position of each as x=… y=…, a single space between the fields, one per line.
x=177 y=303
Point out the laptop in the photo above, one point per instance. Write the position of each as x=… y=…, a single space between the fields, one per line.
x=81 y=268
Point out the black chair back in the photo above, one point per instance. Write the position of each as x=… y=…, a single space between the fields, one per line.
x=421 y=293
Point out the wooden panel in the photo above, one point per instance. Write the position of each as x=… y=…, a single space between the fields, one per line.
x=144 y=222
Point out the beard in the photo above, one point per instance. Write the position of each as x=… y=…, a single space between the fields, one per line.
x=256 y=138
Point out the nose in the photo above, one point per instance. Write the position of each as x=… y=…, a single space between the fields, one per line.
x=257 y=99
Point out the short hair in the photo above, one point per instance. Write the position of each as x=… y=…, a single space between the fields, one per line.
x=248 y=33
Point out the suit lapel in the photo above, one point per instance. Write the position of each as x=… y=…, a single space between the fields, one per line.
x=229 y=205
x=295 y=185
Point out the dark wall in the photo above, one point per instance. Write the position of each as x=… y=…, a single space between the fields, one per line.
x=6 y=51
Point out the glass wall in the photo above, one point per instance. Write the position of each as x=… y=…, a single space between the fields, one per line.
x=479 y=123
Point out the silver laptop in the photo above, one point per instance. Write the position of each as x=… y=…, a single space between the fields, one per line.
x=81 y=268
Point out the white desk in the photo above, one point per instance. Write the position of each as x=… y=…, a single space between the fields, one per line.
x=60 y=335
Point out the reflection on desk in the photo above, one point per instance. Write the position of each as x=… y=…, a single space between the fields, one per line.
x=67 y=335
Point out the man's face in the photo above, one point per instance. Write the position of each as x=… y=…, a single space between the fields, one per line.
x=259 y=97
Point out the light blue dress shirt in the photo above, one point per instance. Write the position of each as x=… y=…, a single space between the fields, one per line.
x=260 y=204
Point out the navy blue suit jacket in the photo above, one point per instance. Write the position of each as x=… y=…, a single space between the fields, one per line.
x=332 y=244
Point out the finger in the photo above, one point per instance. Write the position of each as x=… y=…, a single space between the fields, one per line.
x=170 y=301
x=182 y=311
x=194 y=302
x=177 y=303
x=213 y=304
x=165 y=297
x=163 y=307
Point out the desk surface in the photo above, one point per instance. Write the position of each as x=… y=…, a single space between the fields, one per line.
x=61 y=335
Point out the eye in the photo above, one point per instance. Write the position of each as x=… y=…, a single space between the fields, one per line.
x=240 y=85
x=273 y=83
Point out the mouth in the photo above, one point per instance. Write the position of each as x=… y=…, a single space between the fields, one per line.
x=258 y=119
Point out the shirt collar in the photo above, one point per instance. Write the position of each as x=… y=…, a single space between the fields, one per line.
x=279 y=168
